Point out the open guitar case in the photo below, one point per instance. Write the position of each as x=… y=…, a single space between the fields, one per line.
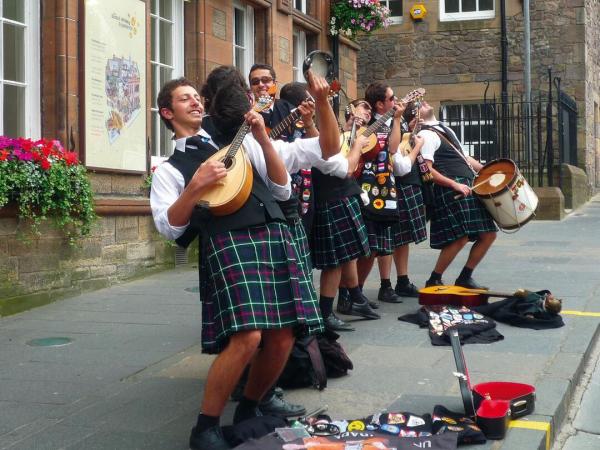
x=494 y=403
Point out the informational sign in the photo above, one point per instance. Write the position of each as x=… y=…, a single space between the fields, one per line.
x=114 y=120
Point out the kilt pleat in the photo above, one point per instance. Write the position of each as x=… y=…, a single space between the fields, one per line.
x=255 y=279
x=381 y=236
x=412 y=227
x=339 y=233
x=454 y=218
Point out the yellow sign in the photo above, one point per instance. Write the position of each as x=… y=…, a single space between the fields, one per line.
x=418 y=11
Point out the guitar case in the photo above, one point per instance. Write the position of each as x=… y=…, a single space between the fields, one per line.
x=493 y=403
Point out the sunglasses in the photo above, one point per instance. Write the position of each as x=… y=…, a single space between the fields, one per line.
x=263 y=80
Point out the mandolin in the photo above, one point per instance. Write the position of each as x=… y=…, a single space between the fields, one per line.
x=230 y=193
x=369 y=132
x=408 y=143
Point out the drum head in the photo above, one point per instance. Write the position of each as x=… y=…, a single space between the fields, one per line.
x=494 y=177
x=321 y=63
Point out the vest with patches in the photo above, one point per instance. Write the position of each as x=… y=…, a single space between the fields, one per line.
x=260 y=207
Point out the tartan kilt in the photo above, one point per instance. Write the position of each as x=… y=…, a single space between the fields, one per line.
x=300 y=239
x=455 y=218
x=339 y=234
x=381 y=236
x=254 y=279
x=412 y=215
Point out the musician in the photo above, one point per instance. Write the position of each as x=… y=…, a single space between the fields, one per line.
x=338 y=238
x=263 y=82
x=458 y=216
x=250 y=284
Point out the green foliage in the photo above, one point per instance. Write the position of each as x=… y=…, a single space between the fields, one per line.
x=46 y=183
x=349 y=17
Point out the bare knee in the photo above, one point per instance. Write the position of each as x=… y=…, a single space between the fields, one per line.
x=488 y=237
x=280 y=340
x=246 y=342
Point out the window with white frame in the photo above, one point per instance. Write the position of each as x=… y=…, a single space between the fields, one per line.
x=299 y=53
x=301 y=5
x=19 y=68
x=466 y=9
x=243 y=37
x=167 y=64
x=475 y=126
x=395 y=7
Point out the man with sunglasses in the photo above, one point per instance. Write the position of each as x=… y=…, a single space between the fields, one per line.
x=263 y=82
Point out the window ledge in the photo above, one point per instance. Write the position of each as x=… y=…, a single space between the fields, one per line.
x=456 y=17
x=310 y=23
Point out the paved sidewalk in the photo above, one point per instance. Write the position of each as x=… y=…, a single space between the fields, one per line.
x=133 y=374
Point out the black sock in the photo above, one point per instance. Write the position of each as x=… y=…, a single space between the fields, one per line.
x=435 y=276
x=205 y=422
x=402 y=280
x=465 y=274
x=386 y=283
x=326 y=305
x=356 y=295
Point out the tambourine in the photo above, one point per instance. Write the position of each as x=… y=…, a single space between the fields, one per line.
x=321 y=63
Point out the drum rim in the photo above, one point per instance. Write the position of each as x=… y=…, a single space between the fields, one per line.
x=306 y=64
x=506 y=186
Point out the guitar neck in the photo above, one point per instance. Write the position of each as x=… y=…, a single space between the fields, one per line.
x=285 y=124
x=236 y=143
x=378 y=123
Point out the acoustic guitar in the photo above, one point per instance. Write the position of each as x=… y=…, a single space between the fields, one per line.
x=346 y=138
x=288 y=121
x=460 y=296
x=230 y=193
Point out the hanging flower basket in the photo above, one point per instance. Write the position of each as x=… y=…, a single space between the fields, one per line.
x=350 y=17
x=46 y=182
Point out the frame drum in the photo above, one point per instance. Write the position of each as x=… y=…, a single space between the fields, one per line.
x=321 y=63
x=505 y=194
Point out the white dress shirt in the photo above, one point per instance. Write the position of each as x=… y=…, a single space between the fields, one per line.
x=432 y=140
x=168 y=184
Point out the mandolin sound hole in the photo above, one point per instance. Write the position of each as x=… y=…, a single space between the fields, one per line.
x=229 y=162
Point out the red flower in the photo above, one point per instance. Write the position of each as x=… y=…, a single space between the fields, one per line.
x=25 y=144
x=4 y=155
x=45 y=164
x=71 y=158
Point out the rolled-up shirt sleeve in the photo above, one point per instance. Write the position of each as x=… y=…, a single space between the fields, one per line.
x=167 y=186
x=257 y=158
x=431 y=143
x=336 y=166
x=300 y=154
x=402 y=165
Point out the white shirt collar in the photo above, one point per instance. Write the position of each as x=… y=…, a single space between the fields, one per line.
x=180 y=143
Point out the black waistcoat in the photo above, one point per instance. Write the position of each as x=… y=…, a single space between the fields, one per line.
x=448 y=162
x=260 y=207
x=328 y=187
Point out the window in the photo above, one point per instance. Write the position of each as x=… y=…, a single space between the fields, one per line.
x=19 y=68
x=167 y=64
x=243 y=37
x=301 y=5
x=395 y=7
x=475 y=127
x=299 y=54
x=466 y=9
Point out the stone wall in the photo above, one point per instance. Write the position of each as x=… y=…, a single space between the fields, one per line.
x=592 y=92
x=47 y=268
x=453 y=60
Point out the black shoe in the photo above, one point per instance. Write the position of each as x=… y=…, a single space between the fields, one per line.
x=279 y=407
x=334 y=323
x=344 y=306
x=211 y=439
x=469 y=283
x=242 y=414
x=387 y=295
x=410 y=290
x=364 y=310
x=374 y=305
x=430 y=283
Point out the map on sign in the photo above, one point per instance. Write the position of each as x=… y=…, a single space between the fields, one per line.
x=122 y=84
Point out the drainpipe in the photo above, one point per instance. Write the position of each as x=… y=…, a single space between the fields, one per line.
x=504 y=94
x=527 y=77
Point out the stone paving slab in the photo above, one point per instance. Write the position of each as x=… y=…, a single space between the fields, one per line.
x=583 y=441
x=588 y=417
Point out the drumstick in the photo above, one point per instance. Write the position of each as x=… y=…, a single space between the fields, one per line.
x=456 y=197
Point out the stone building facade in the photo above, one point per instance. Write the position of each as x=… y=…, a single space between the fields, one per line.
x=183 y=37
x=454 y=55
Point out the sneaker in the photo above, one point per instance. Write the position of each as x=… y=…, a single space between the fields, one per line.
x=373 y=305
x=469 y=283
x=279 y=407
x=334 y=323
x=410 y=290
x=210 y=439
x=387 y=295
x=363 y=309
